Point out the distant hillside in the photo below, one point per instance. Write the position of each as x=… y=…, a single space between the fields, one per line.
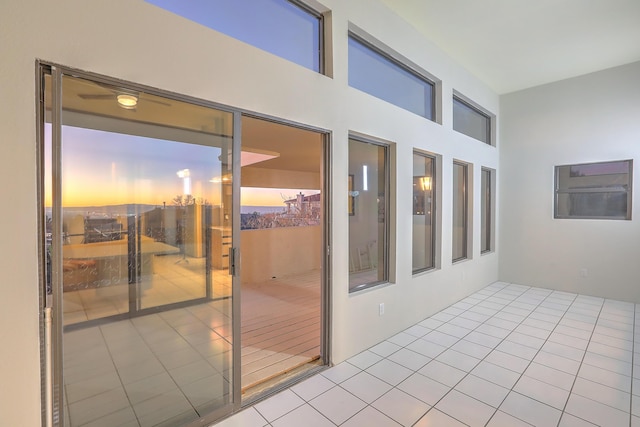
x=110 y=210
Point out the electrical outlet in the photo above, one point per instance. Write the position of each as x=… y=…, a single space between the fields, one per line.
x=381 y=309
x=584 y=272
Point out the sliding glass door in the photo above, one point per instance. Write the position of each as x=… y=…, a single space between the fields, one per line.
x=138 y=209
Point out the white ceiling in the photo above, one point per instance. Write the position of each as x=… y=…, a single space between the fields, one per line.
x=516 y=44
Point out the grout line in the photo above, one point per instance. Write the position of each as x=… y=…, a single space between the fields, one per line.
x=575 y=378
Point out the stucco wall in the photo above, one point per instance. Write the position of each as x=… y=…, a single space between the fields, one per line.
x=591 y=118
x=135 y=41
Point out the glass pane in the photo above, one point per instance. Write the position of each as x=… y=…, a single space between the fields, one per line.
x=471 y=122
x=423 y=212
x=277 y=26
x=485 y=209
x=459 y=211
x=146 y=220
x=593 y=205
x=368 y=214
x=376 y=75
x=594 y=190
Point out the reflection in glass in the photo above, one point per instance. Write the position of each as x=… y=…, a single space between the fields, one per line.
x=368 y=226
x=147 y=310
x=594 y=190
x=423 y=212
x=460 y=206
x=377 y=75
x=276 y=26
x=471 y=121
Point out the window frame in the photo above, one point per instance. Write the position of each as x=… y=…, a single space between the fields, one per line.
x=404 y=64
x=481 y=111
x=487 y=212
x=435 y=169
x=387 y=250
x=466 y=209
x=594 y=190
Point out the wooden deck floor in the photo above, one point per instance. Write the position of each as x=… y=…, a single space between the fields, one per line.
x=281 y=326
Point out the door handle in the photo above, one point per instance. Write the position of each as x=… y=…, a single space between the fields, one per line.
x=232 y=261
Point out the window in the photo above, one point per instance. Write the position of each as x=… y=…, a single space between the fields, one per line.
x=460 y=211
x=368 y=214
x=376 y=72
x=487 y=218
x=471 y=120
x=285 y=28
x=424 y=213
x=594 y=190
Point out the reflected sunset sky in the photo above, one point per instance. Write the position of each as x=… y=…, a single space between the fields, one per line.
x=105 y=168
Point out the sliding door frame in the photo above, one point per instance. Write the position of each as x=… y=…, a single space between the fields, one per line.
x=50 y=305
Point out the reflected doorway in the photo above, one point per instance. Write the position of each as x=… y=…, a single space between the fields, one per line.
x=136 y=185
x=282 y=233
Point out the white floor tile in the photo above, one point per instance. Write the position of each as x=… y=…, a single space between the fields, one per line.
x=601 y=393
x=426 y=348
x=337 y=404
x=389 y=371
x=456 y=331
x=365 y=359
x=557 y=362
x=385 y=348
x=608 y=363
x=579 y=343
x=441 y=338
x=369 y=416
x=542 y=392
x=279 y=405
x=400 y=406
x=500 y=419
x=424 y=388
x=563 y=350
x=609 y=351
x=247 y=418
x=458 y=360
x=409 y=335
x=341 y=372
x=437 y=418
x=409 y=359
x=465 y=323
x=494 y=331
x=366 y=387
x=312 y=387
x=530 y=410
x=482 y=390
x=595 y=412
x=496 y=374
x=514 y=363
x=465 y=408
x=603 y=376
x=442 y=373
x=551 y=376
x=305 y=415
x=516 y=349
x=471 y=349
x=483 y=339
x=569 y=420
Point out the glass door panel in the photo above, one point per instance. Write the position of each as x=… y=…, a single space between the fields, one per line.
x=146 y=211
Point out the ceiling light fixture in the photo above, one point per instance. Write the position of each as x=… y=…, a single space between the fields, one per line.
x=127 y=101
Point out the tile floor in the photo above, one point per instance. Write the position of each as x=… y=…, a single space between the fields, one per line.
x=507 y=355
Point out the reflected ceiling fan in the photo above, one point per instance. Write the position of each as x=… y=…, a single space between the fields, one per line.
x=125 y=98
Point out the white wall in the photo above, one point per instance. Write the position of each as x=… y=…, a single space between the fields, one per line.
x=585 y=119
x=138 y=42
